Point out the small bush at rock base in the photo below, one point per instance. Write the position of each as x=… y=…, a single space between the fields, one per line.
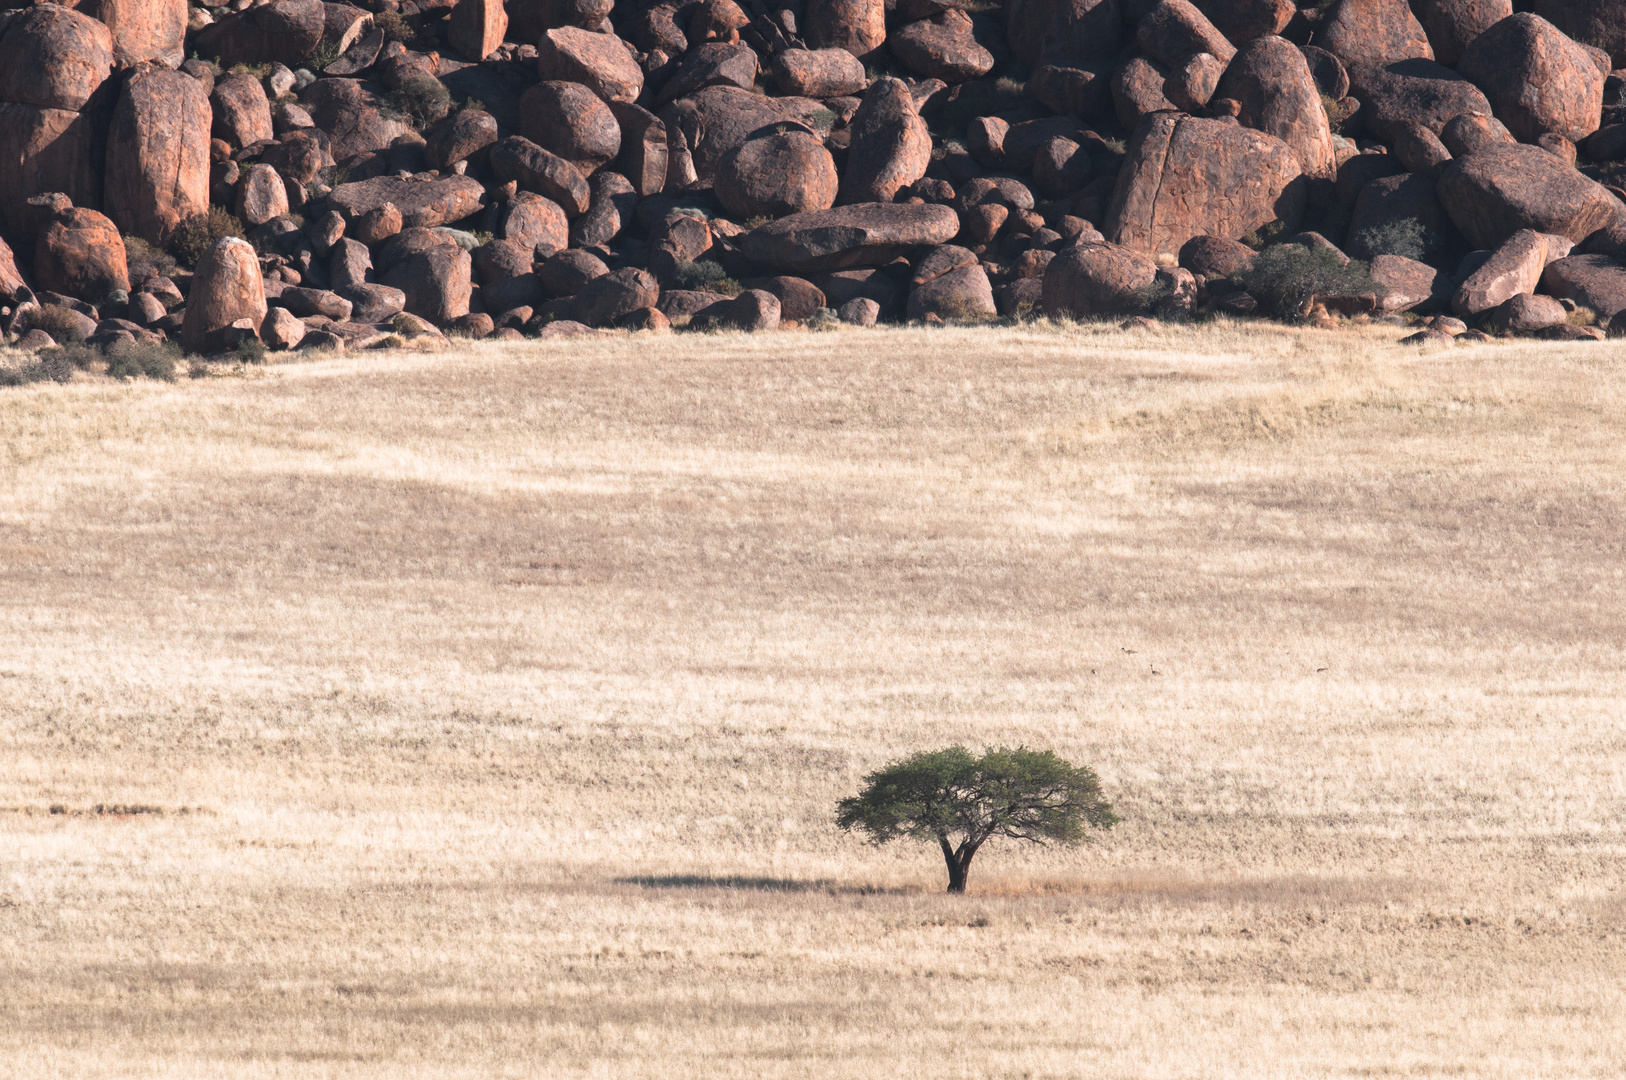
x=1406 y=237
x=1286 y=278
x=137 y=251
x=705 y=275
x=252 y=351
x=395 y=27
x=48 y=365
x=142 y=359
x=323 y=55
x=197 y=234
x=61 y=323
x=421 y=100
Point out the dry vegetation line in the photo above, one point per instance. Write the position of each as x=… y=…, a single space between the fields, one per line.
x=482 y=713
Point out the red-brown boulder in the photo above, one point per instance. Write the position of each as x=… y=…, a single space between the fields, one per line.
x=45 y=150
x=158 y=154
x=143 y=30
x=1176 y=30
x=537 y=222
x=1496 y=192
x=422 y=203
x=352 y=117
x=798 y=297
x=753 y=311
x=1064 y=30
x=1373 y=32
x=713 y=64
x=1216 y=256
x=1137 y=91
x=962 y=294
x=1409 y=285
x=1271 y=82
x=530 y=19
x=777 y=173
x=433 y=272
x=281 y=32
x=859 y=26
x=610 y=297
x=1471 y=132
x=644 y=151
x=260 y=195
x=79 y=253
x=570 y=121
x=54 y=57
x=715 y=120
x=1453 y=24
x=518 y=159
x=1513 y=268
x=890 y=147
x=818 y=73
x=1537 y=80
x=865 y=234
x=716 y=22
x=242 y=113
x=1599 y=23
x=1184 y=177
x=476 y=28
x=464 y=133
x=601 y=62
x=1393 y=96
x=1594 y=281
x=226 y=289
x=1242 y=21
x=941 y=47
x=1089 y=280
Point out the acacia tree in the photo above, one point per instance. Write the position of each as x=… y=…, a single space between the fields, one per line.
x=961 y=801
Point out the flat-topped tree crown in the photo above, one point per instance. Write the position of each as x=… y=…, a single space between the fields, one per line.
x=961 y=801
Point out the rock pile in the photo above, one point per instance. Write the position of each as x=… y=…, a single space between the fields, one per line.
x=323 y=174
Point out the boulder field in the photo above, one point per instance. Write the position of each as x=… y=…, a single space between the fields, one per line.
x=315 y=175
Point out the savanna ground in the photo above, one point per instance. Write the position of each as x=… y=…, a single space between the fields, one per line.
x=486 y=710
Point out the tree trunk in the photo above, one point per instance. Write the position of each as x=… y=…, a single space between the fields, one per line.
x=959 y=863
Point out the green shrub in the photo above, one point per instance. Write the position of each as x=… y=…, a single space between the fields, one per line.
x=63 y=324
x=1265 y=235
x=822 y=119
x=252 y=351
x=323 y=55
x=47 y=365
x=395 y=27
x=137 y=250
x=1286 y=278
x=420 y=101
x=703 y=274
x=142 y=359
x=200 y=232
x=1407 y=237
x=259 y=71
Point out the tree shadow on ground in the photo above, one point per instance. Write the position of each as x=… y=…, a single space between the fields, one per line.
x=753 y=884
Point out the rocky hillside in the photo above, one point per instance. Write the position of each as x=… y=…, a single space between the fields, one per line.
x=321 y=175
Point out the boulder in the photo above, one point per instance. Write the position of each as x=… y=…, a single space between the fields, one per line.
x=280 y=32
x=570 y=121
x=1499 y=190
x=348 y=264
x=422 y=203
x=1411 y=92
x=1420 y=150
x=715 y=120
x=1176 y=30
x=307 y=302
x=1271 y=82
x=1513 y=268
x=529 y=21
x=943 y=47
x=373 y=303
x=1408 y=285
x=1473 y=131
x=715 y=64
x=777 y=173
x=1216 y=256
x=79 y=253
x=818 y=73
x=657 y=29
x=537 y=222
x=1184 y=177
x=798 y=298
x=281 y=329
x=518 y=159
x=352 y=117
x=54 y=57
x=613 y=204
x=476 y=28
x=298 y=157
x=1062 y=30
x=859 y=311
x=1193 y=84
x=142 y=30
x=610 y=297
x=433 y=272
x=643 y=148
x=1527 y=313
x=226 y=289
x=1137 y=92
x=858 y=26
x=1061 y=167
x=1537 y=80
x=890 y=147
x=753 y=310
x=1453 y=24
x=1089 y=280
x=566 y=273
x=1594 y=281
x=158 y=154
x=716 y=21
x=376 y=225
x=863 y=234
x=1242 y=21
x=1373 y=33
x=598 y=61
x=45 y=150
x=682 y=306
x=459 y=136
x=260 y=196
x=961 y=294
x=241 y=111
x=1599 y=23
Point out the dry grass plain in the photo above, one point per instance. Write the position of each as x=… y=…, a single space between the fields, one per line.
x=508 y=691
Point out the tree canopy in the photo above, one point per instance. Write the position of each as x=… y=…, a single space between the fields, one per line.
x=961 y=801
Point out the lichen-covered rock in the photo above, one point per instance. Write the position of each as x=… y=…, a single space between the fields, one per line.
x=226 y=289
x=569 y=120
x=422 y=203
x=777 y=173
x=1537 y=80
x=1271 y=82
x=54 y=57
x=1373 y=32
x=1499 y=190
x=818 y=73
x=1185 y=177
x=890 y=147
x=158 y=154
x=142 y=30
x=598 y=61
x=79 y=253
x=943 y=47
x=1089 y=280
x=863 y=234
x=476 y=27
x=858 y=26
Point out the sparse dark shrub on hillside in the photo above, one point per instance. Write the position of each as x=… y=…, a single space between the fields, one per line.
x=961 y=801
x=142 y=359
x=704 y=274
x=48 y=365
x=140 y=255
x=1407 y=237
x=420 y=101
x=61 y=323
x=197 y=234
x=1286 y=278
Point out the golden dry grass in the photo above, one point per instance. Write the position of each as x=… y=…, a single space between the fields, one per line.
x=507 y=693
